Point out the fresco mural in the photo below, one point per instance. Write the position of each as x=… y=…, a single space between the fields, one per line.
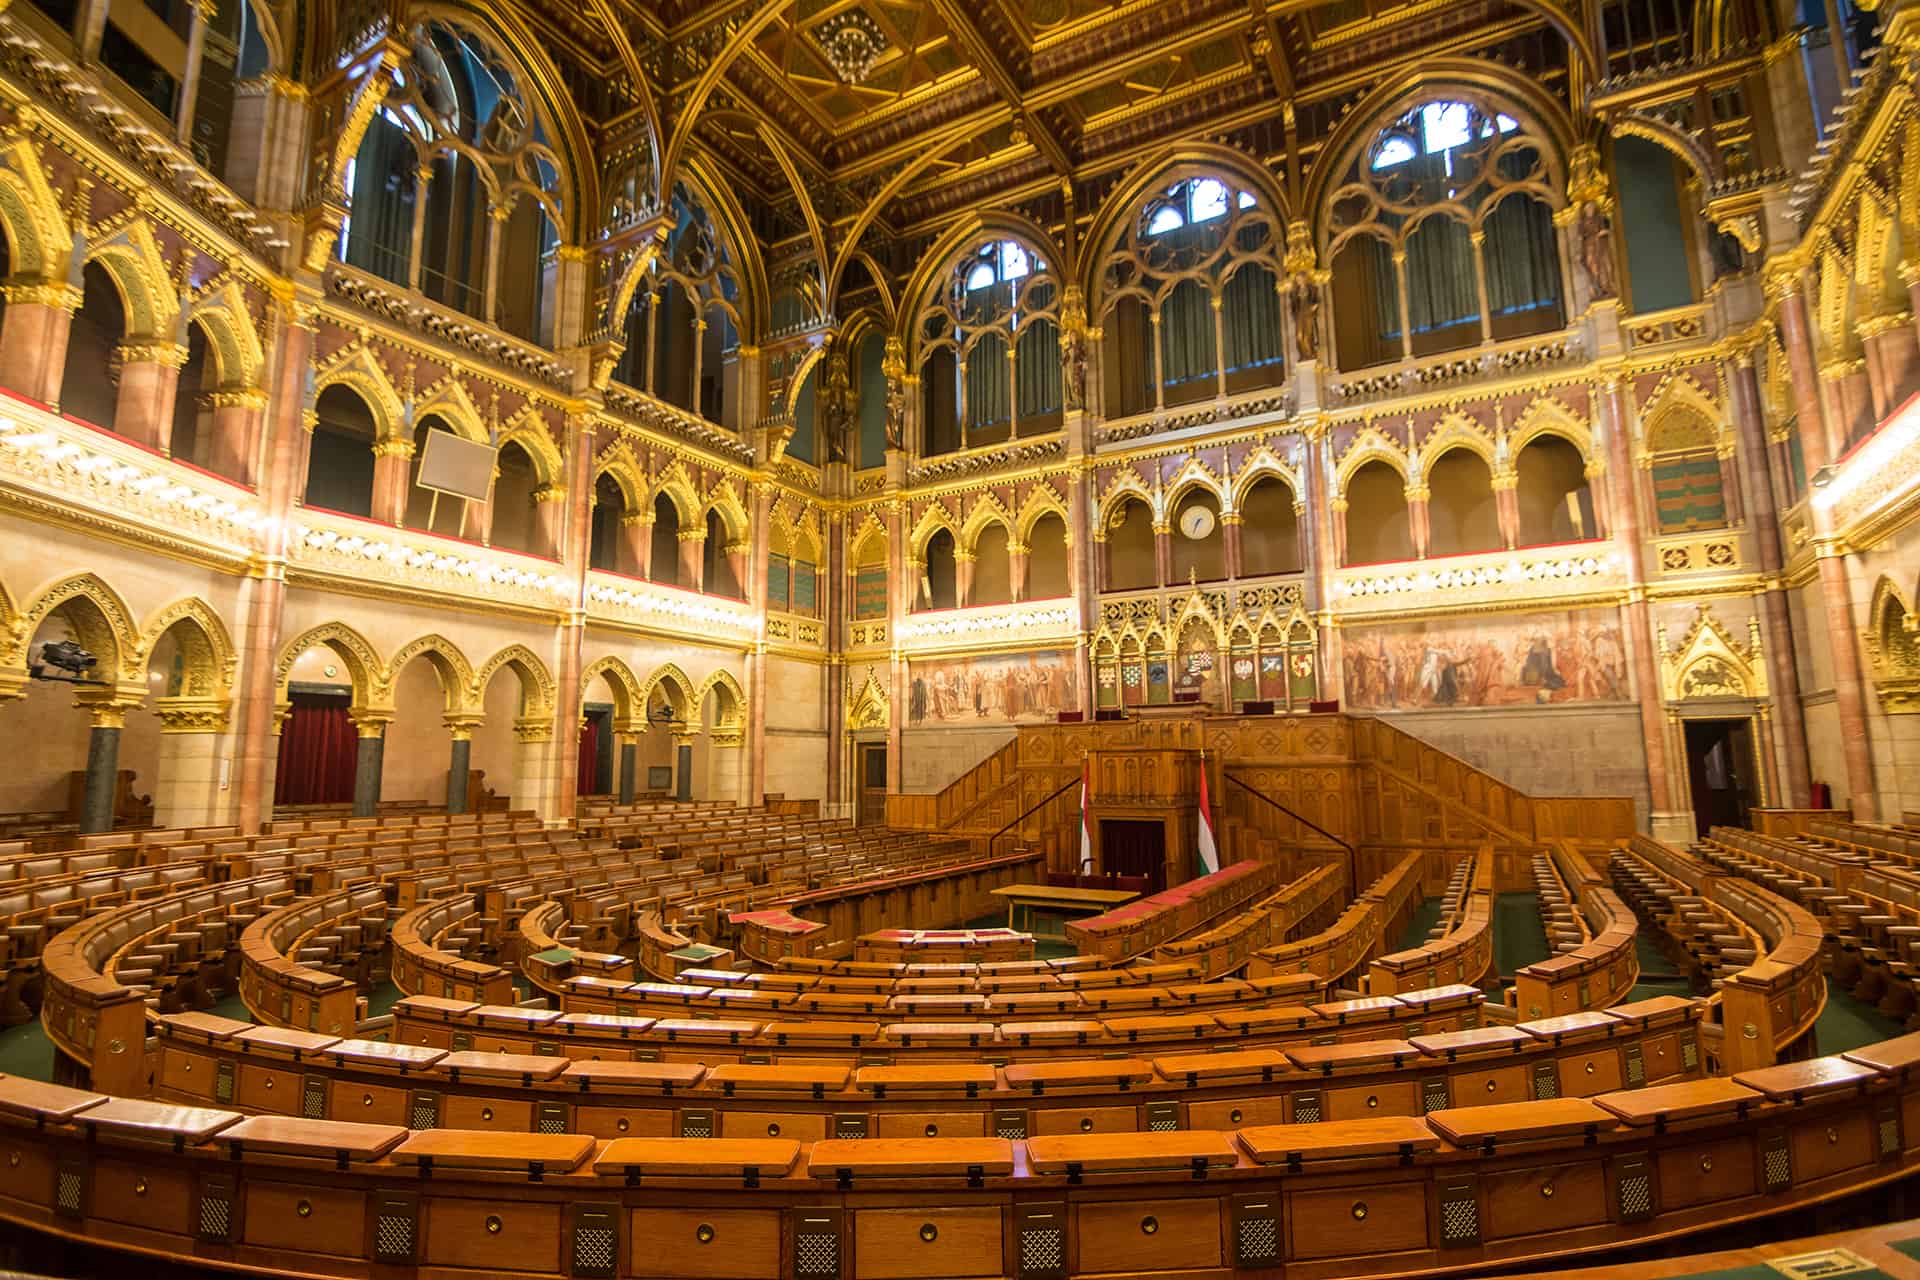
x=1012 y=688
x=1527 y=660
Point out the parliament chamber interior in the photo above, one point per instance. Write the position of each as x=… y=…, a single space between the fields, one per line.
x=951 y=639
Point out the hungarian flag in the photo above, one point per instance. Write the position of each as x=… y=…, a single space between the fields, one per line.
x=1209 y=851
x=1086 y=825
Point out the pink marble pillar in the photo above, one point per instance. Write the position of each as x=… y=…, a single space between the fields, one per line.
x=1162 y=555
x=1798 y=341
x=1230 y=543
x=237 y=418
x=149 y=380
x=574 y=552
x=963 y=579
x=263 y=595
x=552 y=518
x=693 y=561
x=33 y=339
x=1848 y=692
x=1635 y=618
x=392 y=477
x=636 y=532
x=1849 y=403
x=1017 y=571
x=1775 y=619
x=1506 y=503
x=1419 y=521
x=1337 y=526
x=1893 y=362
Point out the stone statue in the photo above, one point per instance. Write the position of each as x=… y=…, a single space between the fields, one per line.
x=836 y=402
x=1596 y=251
x=893 y=366
x=1073 y=348
x=1306 y=320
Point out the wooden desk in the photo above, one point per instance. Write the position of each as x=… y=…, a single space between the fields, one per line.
x=1060 y=900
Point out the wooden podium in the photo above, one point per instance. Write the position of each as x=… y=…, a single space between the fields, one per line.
x=1142 y=806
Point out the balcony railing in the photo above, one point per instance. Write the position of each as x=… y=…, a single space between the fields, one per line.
x=1033 y=621
x=103 y=478
x=656 y=607
x=327 y=542
x=1543 y=573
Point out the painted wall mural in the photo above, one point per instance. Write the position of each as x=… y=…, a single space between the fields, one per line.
x=1538 y=659
x=1013 y=688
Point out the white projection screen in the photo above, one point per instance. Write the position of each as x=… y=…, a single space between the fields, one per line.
x=455 y=466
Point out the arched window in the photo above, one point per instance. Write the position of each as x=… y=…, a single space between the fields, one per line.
x=90 y=383
x=1189 y=298
x=990 y=349
x=1688 y=491
x=1551 y=490
x=609 y=527
x=1441 y=236
x=939 y=578
x=871 y=586
x=1269 y=529
x=871 y=380
x=1131 y=554
x=992 y=581
x=683 y=324
x=340 y=453
x=191 y=437
x=1462 y=514
x=1049 y=576
x=461 y=122
x=666 y=543
x=1378 y=529
x=717 y=572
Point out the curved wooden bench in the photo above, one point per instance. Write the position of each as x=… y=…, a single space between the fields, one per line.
x=1457 y=1188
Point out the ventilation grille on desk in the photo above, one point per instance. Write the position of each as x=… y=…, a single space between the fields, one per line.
x=816 y=1244
x=1043 y=1241
x=313 y=1097
x=596 y=1241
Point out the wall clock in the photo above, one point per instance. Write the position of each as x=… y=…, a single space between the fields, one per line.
x=1196 y=523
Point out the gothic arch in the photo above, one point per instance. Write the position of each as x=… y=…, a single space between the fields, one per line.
x=987 y=511
x=679 y=691
x=236 y=347
x=528 y=430
x=1040 y=503
x=680 y=491
x=1370 y=446
x=451 y=667
x=619 y=464
x=1159 y=170
x=448 y=401
x=1195 y=474
x=935 y=518
x=536 y=682
x=1264 y=464
x=1458 y=431
x=628 y=700
x=105 y=625
x=365 y=671
x=1893 y=647
x=132 y=260
x=1548 y=416
x=39 y=241
x=357 y=369
x=1126 y=487
x=204 y=643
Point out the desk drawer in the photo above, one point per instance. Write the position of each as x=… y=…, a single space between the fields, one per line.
x=1148 y=1235
x=926 y=1244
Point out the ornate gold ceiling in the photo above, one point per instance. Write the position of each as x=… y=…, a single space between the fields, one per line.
x=919 y=110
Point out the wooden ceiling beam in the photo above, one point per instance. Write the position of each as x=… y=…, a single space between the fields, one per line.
x=981 y=54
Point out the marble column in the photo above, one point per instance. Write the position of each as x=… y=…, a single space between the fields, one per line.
x=693 y=561
x=392 y=477
x=460 y=728
x=682 y=766
x=756 y=725
x=33 y=339
x=1230 y=525
x=237 y=416
x=963 y=579
x=1893 y=361
x=1849 y=694
x=1016 y=571
x=186 y=789
x=1776 y=619
x=368 y=763
x=189 y=96
x=1506 y=502
x=1849 y=403
x=149 y=381
x=629 y=765
x=1797 y=339
x=1162 y=555
x=262 y=595
x=103 y=769
x=1635 y=616
x=1419 y=519
x=550 y=511
x=636 y=532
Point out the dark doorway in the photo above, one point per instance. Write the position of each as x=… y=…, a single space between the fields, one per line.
x=598 y=747
x=319 y=749
x=1721 y=772
x=873 y=783
x=1134 y=848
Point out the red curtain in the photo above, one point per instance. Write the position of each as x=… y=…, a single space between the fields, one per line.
x=587 y=783
x=319 y=750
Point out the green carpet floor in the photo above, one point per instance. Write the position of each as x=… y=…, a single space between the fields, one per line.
x=1847 y=1023
x=1519 y=939
x=1425 y=917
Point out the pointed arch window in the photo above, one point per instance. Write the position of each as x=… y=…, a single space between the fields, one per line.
x=1440 y=234
x=989 y=354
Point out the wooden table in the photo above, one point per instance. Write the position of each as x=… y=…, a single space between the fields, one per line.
x=1057 y=900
